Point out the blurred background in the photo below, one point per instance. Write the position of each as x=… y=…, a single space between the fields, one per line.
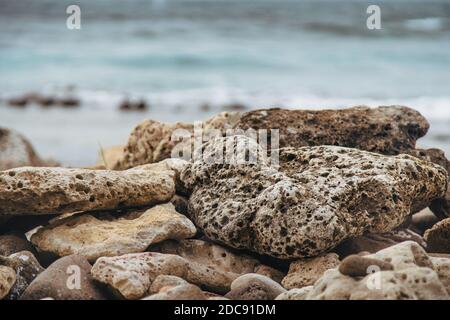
x=184 y=60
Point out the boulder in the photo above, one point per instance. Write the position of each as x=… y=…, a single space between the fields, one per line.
x=306 y=272
x=254 y=286
x=317 y=198
x=67 y=278
x=30 y=190
x=27 y=268
x=93 y=237
x=438 y=237
x=7 y=280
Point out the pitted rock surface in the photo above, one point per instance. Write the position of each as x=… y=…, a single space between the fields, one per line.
x=93 y=237
x=28 y=190
x=388 y=130
x=319 y=197
x=438 y=237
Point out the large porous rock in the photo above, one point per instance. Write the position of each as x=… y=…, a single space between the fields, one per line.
x=27 y=268
x=372 y=243
x=254 y=286
x=152 y=141
x=67 y=278
x=305 y=272
x=93 y=237
x=317 y=198
x=16 y=151
x=10 y=244
x=7 y=280
x=30 y=190
x=209 y=267
x=400 y=272
x=438 y=237
x=387 y=130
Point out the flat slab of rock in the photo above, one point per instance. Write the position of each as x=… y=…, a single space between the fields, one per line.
x=415 y=276
x=387 y=130
x=319 y=197
x=28 y=191
x=92 y=237
x=438 y=237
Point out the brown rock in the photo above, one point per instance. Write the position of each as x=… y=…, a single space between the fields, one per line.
x=180 y=292
x=254 y=286
x=59 y=190
x=66 y=279
x=10 y=244
x=306 y=272
x=359 y=266
x=438 y=237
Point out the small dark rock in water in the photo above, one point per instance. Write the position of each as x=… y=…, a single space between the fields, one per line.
x=68 y=102
x=438 y=237
x=359 y=266
x=53 y=282
x=234 y=107
x=128 y=105
x=19 y=102
x=387 y=130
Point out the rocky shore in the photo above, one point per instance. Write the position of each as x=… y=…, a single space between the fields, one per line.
x=333 y=204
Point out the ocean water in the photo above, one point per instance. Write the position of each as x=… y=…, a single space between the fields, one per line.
x=183 y=55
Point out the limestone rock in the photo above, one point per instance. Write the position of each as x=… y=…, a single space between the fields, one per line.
x=414 y=277
x=272 y=273
x=295 y=294
x=58 y=282
x=92 y=237
x=10 y=244
x=254 y=286
x=388 y=130
x=375 y=242
x=180 y=292
x=319 y=197
x=438 y=237
x=16 y=151
x=165 y=281
x=27 y=268
x=59 y=190
x=303 y=273
x=7 y=280
x=442 y=267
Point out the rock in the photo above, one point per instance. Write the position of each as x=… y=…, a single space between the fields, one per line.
x=295 y=294
x=7 y=280
x=10 y=244
x=128 y=105
x=438 y=237
x=91 y=237
x=27 y=268
x=442 y=267
x=67 y=278
x=388 y=130
x=414 y=277
x=269 y=272
x=303 y=273
x=319 y=197
x=151 y=141
x=108 y=157
x=441 y=207
x=17 y=151
x=254 y=286
x=165 y=281
x=359 y=266
x=59 y=190
x=180 y=292
x=375 y=242
x=209 y=266
x=423 y=220
x=180 y=203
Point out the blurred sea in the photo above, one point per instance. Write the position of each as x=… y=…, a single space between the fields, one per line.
x=184 y=55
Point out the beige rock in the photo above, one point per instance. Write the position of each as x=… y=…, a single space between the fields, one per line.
x=109 y=157
x=59 y=190
x=180 y=292
x=254 y=286
x=295 y=294
x=305 y=272
x=91 y=237
x=165 y=281
x=7 y=280
x=442 y=266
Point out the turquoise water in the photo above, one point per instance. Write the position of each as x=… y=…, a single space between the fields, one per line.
x=181 y=55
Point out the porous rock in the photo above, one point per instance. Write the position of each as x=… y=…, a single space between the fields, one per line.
x=164 y=281
x=414 y=277
x=30 y=190
x=180 y=292
x=67 y=278
x=295 y=294
x=319 y=197
x=305 y=272
x=93 y=237
x=7 y=280
x=388 y=129
x=438 y=237
x=254 y=286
